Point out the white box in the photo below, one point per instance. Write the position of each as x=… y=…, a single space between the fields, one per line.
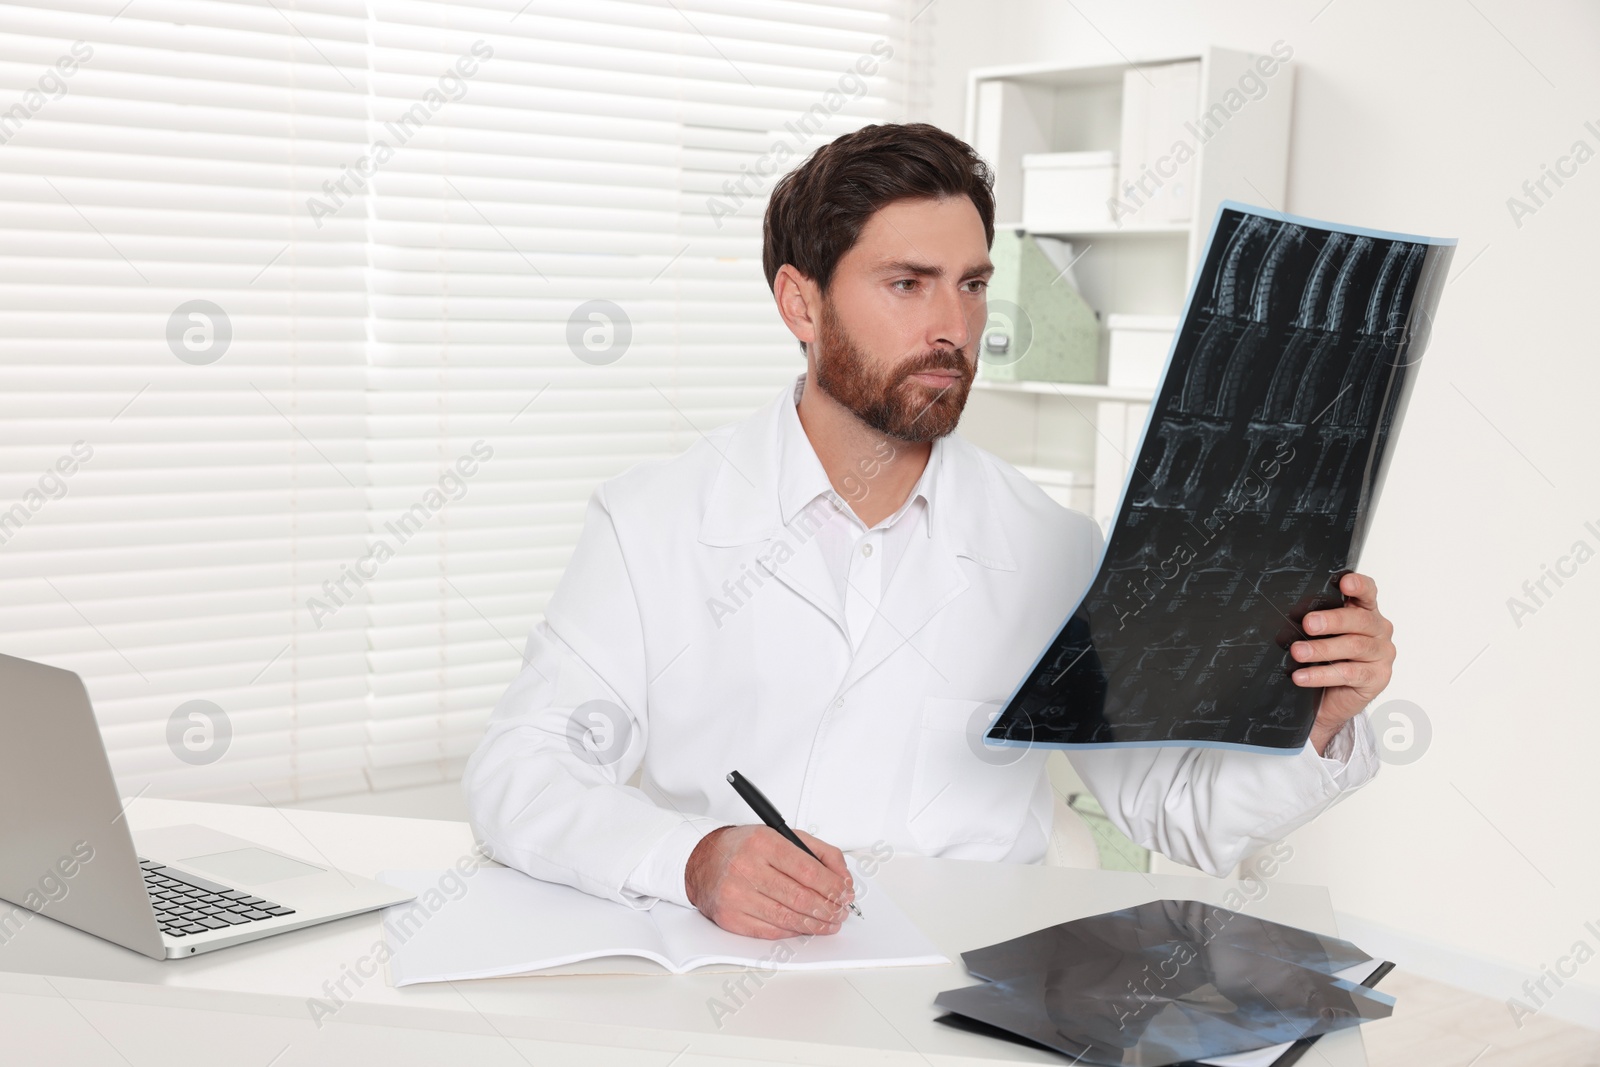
x=1138 y=350
x=1067 y=192
x=1119 y=425
x=1057 y=484
x=1155 y=181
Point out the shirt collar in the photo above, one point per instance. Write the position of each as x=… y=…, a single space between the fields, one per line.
x=802 y=478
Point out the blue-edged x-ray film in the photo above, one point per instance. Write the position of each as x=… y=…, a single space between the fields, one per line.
x=1254 y=486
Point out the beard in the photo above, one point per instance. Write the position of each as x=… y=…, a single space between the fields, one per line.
x=890 y=401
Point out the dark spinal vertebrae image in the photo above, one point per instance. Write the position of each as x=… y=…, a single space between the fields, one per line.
x=1251 y=494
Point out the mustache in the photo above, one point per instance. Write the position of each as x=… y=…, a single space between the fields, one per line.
x=938 y=359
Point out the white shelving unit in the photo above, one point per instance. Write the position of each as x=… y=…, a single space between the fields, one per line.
x=1078 y=440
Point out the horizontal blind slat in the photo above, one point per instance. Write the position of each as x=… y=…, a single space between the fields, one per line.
x=394 y=212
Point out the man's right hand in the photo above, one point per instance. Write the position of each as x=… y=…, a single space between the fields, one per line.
x=749 y=880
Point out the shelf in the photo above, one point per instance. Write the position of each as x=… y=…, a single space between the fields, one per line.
x=1160 y=229
x=1165 y=229
x=1055 y=74
x=1070 y=390
x=1055 y=477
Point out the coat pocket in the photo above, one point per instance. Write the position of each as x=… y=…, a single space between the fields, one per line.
x=965 y=791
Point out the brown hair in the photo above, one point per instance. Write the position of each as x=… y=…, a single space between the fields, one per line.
x=817 y=210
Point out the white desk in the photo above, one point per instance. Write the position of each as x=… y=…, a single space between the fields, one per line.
x=69 y=998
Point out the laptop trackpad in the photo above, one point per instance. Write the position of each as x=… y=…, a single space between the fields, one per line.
x=250 y=866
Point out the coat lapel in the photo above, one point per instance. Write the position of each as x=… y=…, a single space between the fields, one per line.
x=743 y=509
x=805 y=571
x=927 y=578
x=961 y=524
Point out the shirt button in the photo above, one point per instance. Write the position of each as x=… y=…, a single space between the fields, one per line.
x=866 y=550
x=838 y=703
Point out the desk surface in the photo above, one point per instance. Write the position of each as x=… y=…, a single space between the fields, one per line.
x=76 y=999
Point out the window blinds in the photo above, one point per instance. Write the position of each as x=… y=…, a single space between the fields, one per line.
x=337 y=312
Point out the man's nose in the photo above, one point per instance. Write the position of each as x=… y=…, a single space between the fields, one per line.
x=949 y=326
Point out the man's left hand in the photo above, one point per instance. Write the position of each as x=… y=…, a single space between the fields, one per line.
x=1354 y=653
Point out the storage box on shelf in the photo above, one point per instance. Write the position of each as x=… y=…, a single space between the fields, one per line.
x=1066 y=191
x=1040 y=328
x=1119 y=425
x=1138 y=349
x=1057 y=484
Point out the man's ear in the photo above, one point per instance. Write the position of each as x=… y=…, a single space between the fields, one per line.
x=799 y=302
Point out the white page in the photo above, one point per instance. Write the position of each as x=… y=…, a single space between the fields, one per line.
x=1265 y=1057
x=883 y=937
x=505 y=923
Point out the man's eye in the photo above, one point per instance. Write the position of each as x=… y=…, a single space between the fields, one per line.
x=977 y=285
x=905 y=285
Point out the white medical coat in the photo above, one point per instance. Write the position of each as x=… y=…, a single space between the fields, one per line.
x=694 y=633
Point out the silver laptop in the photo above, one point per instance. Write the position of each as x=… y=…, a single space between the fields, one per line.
x=66 y=851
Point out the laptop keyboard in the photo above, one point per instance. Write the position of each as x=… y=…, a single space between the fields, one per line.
x=187 y=904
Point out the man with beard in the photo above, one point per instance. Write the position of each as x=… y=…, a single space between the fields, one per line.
x=834 y=597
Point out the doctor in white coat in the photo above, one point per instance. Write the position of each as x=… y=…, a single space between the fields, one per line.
x=834 y=597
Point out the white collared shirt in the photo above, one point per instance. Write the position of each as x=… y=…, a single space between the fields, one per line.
x=861 y=560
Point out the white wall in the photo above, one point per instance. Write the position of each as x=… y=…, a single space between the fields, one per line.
x=1425 y=116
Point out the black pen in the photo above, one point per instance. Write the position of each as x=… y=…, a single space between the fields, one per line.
x=769 y=815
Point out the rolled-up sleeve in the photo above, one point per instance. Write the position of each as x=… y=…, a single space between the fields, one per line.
x=1209 y=808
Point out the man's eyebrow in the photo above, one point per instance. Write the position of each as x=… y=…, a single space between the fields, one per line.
x=928 y=270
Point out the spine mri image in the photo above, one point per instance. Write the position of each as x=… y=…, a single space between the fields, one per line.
x=1251 y=495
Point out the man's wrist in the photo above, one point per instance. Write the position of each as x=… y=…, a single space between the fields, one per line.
x=700 y=858
x=1322 y=735
x=659 y=875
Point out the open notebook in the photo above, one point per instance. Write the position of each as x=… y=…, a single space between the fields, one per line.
x=505 y=923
